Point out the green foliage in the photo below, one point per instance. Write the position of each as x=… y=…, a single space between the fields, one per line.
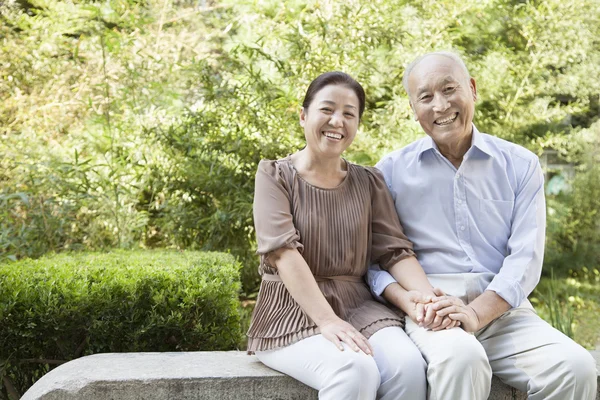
x=573 y=233
x=571 y=304
x=65 y=306
x=128 y=124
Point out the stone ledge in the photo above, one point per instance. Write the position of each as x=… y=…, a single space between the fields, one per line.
x=184 y=376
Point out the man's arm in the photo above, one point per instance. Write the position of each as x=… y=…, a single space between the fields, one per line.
x=521 y=269
x=473 y=316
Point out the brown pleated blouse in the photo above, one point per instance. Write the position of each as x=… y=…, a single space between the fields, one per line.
x=339 y=231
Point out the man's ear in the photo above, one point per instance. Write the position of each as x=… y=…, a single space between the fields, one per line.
x=302 y=117
x=473 y=86
x=412 y=108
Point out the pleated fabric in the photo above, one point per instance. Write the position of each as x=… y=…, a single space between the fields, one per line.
x=339 y=231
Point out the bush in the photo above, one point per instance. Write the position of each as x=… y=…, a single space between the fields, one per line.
x=573 y=234
x=65 y=306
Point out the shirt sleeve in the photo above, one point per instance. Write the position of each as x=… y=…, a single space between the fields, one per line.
x=389 y=244
x=273 y=220
x=377 y=278
x=522 y=268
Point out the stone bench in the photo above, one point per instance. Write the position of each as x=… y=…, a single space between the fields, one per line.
x=183 y=376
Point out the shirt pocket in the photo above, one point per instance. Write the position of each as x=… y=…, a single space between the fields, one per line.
x=495 y=218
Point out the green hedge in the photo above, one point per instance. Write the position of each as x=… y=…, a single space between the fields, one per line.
x=61 y=307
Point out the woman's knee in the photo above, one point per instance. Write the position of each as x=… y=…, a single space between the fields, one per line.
x=355 y=376
x=402 y=368
x=402 y=363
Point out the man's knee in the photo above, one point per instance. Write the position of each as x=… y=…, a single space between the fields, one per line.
x=464 y=352
x=578 y=369
x=459 y=367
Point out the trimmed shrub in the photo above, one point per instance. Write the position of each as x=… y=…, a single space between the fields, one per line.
x=65 y=306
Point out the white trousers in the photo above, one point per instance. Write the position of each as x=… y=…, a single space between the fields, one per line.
x=396 y=370
x=519 y=347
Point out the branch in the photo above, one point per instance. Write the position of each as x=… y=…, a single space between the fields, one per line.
x=13 y=393
x=42 y=361
x=81 y=347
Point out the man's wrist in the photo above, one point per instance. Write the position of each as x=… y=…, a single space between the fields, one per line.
x=478 y=327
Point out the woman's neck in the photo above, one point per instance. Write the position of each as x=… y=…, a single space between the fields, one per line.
x=319 y=171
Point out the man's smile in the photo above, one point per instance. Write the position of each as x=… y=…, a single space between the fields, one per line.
x=446 y=120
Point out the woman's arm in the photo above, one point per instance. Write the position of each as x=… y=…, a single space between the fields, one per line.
x=412 y=281
x=300 y=282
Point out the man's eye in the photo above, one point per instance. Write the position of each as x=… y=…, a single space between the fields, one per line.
x=425 y=97
x=326 y=110
x=450 y=89
x=349 y=114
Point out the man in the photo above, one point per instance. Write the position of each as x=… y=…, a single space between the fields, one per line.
x=474 y=207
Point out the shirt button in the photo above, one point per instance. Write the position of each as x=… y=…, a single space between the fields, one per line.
x=457 y=176
x=462 y=228
x=459 y=201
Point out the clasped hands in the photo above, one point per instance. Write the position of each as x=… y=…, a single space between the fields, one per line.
x=431 y=312
x=441 y=311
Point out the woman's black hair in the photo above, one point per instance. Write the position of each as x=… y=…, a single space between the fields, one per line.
x=335 y=78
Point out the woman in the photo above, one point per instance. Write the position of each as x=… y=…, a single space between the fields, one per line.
x=320 y=221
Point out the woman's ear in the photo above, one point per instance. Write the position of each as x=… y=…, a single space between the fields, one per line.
x=302 y=117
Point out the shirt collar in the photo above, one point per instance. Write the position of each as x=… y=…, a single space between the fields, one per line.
x=477 y=141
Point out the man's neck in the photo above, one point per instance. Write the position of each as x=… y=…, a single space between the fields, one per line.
x=455 y=151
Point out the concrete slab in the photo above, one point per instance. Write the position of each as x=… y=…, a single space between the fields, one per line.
x=183 y=376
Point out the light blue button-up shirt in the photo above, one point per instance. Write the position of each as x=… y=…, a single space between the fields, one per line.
x=489 y=215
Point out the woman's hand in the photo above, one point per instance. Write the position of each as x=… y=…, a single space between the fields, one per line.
x=338 y=331
x=416 y=309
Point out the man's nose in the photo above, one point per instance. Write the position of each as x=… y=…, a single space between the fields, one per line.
x=440 y=103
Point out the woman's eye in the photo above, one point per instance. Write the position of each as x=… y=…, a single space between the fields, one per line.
x=425 y=97
x=326 y=110
x=349 y=115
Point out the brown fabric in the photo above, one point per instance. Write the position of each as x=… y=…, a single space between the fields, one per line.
x=339 y=231
x=347 y=278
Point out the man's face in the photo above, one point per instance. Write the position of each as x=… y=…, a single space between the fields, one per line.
x=442 y=97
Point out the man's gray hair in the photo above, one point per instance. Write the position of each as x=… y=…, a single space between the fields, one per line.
x=455 y=57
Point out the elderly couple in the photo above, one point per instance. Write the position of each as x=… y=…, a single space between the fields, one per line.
x=448 y=231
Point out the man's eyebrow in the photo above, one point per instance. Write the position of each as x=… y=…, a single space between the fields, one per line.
x=421 y=89
x=444 y=81
x=333 y=103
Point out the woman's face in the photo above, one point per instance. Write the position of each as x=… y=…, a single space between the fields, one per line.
x=331 y=121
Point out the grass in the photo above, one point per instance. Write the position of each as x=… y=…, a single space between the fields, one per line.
x=572 y=305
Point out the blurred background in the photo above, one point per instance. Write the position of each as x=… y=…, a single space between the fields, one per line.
x=139 y=124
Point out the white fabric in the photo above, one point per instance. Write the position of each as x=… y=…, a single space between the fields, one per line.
x=519 y=347
x=395 y=372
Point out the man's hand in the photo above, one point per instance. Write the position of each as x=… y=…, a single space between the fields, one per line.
x=423 y=314
x=454 y=308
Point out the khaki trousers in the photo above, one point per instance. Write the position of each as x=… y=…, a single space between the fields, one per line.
x=519 y=347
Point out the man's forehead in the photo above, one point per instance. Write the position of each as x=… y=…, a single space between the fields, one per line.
x=435 y=69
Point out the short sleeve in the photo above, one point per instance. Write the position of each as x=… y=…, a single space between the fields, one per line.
x=273 y=220
x=389 y=243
